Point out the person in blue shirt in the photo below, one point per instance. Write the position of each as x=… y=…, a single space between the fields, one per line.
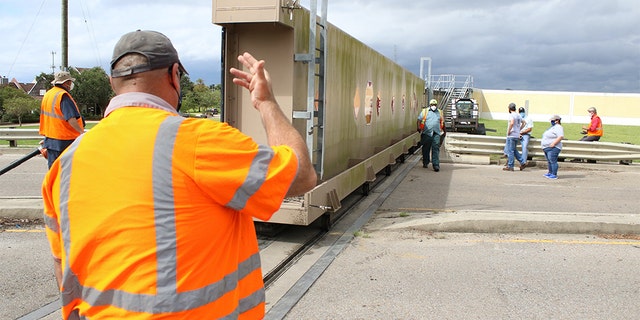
x=431 y=126
x=525 y=134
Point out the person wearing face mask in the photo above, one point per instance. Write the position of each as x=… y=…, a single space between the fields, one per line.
x=594 y=131
x=151 y=214
x=551 y=144
x=525 y=134
x=60 y=119
x=431 y=127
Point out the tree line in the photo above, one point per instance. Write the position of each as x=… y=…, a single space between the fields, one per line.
x=92 y=92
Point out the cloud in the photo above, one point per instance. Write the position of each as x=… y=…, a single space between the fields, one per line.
x=530 y=45
x=559 y=45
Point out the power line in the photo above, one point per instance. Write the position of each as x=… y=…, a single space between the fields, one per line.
x=25 y=38
x=91 y=32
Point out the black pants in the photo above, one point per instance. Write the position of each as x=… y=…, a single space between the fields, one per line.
x=430 y=149
x=590 y=138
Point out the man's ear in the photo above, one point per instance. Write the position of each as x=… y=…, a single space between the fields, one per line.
x=175 y=76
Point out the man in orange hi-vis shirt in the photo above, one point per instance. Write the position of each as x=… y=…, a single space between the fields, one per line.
x=150 y=215
x=60 y=119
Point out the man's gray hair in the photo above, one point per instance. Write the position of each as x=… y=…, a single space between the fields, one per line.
x=130 y=61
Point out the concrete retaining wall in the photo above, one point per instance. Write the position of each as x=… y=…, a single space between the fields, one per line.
x=613 y=108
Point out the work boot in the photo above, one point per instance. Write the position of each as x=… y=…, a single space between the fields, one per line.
x=507 y=169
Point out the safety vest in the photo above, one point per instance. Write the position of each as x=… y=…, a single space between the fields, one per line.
x=152 y=216
x=434 y=122
x=599 y=131
x=422 y=119
x=52 y=121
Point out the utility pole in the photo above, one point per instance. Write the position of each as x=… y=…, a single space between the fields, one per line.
x=53 y=62
x=65 y=35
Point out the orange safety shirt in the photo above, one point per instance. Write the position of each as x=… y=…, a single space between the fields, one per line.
x=152 y=215
x=595 y=127
x=52 y=121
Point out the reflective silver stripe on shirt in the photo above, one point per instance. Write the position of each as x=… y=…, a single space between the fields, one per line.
x=255 y=178
x=51 y=223
x=167 y=299
x=52 y=113
x=70 y=283
x=164 y=208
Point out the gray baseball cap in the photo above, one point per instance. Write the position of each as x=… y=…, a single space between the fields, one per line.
x=151 y=44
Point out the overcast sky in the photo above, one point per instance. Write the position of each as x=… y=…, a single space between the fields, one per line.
x=545 y=45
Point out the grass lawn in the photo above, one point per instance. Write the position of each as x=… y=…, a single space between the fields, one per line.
x=612 y=133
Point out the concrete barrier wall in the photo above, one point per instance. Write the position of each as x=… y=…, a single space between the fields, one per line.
x=613 y=108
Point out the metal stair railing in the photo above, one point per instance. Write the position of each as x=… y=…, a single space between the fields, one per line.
x=452 y=86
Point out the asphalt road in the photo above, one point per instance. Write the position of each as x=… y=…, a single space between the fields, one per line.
x=25 y=179
x=411 y=274
x=397 y=268
x=581 y=188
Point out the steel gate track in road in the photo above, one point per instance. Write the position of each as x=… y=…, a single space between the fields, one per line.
x=298 y=290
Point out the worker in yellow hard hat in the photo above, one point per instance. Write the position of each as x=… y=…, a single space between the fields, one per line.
x=431 y=127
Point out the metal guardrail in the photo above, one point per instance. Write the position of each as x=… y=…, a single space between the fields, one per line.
x=13 y=135
x=462 y=143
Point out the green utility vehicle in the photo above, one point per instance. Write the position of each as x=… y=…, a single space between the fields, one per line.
x=461 y=115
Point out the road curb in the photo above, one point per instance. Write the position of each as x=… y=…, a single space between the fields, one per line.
x=21 y=208
x=513 y=222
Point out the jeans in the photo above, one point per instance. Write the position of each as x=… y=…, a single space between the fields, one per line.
x=512 y=151
x=552 y=159
x=525 y=145
x=430 y=144
x=52 y=155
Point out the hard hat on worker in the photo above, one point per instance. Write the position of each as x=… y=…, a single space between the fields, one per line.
x=433 y=102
